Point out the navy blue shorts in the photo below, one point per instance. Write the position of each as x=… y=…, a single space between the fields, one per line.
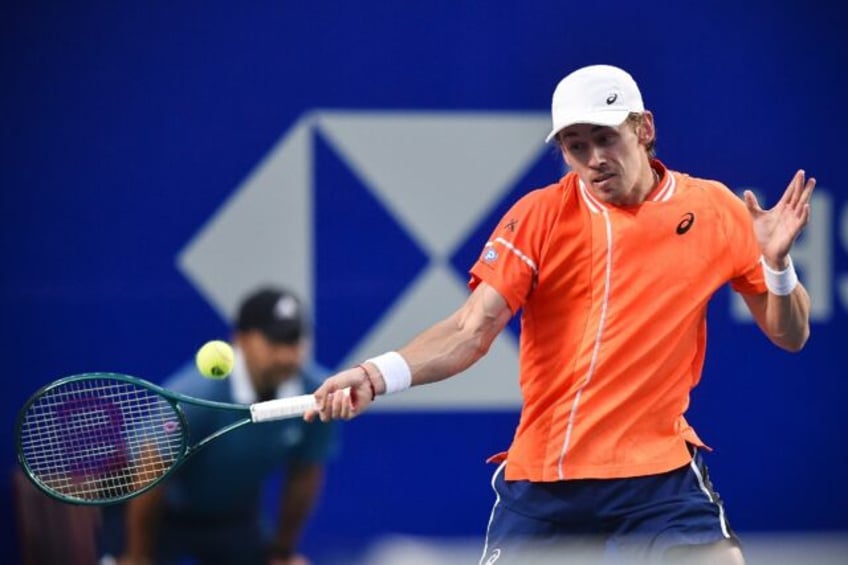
x=608 y=520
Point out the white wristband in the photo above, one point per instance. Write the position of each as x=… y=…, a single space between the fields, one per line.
x=395 y=371
x=781 y=283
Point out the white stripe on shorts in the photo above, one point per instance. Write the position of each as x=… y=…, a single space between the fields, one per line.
x=495 y=507
x=704 y=488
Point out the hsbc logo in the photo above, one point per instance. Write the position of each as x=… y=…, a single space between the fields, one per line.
x=366 y=216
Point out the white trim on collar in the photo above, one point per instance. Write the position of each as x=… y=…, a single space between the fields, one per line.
x=663 y=194
x=594 y=204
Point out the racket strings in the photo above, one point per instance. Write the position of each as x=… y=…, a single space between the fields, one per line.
x=100 y=439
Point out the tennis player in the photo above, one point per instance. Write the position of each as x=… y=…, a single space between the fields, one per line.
x=612 y=267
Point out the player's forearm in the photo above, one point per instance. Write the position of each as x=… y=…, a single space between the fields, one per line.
x=302 y=489
x=444 y=350
x=456 y=343
x=787 y=319
x=447 y=348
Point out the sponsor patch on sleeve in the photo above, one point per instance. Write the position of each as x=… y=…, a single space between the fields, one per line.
x=489 y=255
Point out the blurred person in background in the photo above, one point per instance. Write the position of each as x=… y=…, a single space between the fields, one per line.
x=209 y=510
x=612 y=267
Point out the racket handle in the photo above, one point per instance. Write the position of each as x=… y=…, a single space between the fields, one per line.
x=282 y=408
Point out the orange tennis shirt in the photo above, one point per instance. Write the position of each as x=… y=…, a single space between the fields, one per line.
x=613 y=326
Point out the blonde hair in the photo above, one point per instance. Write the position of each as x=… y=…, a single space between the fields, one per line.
x=635 y=120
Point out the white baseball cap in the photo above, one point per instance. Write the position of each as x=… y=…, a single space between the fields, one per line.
x=598 y=94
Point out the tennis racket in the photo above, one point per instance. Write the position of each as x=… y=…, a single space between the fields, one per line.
x=102 y=438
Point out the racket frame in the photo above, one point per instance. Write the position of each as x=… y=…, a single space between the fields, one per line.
x=173 y=397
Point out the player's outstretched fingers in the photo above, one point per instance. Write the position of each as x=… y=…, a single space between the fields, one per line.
x=752 y=203
x=793 y=191
x=804 y=201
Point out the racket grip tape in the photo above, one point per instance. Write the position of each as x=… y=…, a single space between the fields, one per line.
x=282 y=408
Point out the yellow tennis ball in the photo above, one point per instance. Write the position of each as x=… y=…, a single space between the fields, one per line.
x=215 y=359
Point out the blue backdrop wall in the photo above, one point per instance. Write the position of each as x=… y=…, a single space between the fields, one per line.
x=158 y=160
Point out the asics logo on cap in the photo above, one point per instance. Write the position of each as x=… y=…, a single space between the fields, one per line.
x=612 y=98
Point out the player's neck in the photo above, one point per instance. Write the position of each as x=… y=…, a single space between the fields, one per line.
x=648 y=180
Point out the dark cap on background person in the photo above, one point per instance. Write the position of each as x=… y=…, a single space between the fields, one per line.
x=276 y=312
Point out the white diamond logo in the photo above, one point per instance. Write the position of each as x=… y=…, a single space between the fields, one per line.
x=439 y=174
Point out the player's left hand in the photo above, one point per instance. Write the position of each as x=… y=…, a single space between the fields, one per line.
x=776 y=229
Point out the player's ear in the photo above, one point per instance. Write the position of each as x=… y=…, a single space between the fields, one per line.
x=647 y=131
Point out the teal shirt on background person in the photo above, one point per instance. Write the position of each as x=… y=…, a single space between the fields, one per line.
x=225 y=478
x=213 y=504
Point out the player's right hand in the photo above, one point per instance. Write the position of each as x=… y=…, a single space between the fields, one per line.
x=333 y=402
